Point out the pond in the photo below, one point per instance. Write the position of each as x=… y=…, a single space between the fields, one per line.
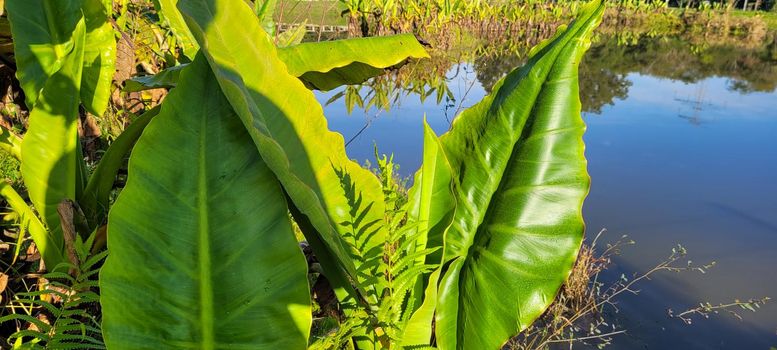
x=682 y=149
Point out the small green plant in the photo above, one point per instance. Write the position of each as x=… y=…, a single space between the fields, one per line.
x=64 y=313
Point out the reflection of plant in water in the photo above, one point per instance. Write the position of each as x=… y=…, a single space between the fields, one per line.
x=688 y=58
x=749 y=68
x=424 y=78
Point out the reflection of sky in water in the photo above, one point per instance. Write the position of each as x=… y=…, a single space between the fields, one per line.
x=694 y=164
x=399 y=131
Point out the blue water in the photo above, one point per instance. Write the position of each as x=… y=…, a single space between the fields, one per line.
x=671 y=163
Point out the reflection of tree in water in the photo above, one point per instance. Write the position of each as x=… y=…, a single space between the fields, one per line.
x=608 y=62
x=603 y=73
x=598 y=85
x=491 y=68
x=749 y=68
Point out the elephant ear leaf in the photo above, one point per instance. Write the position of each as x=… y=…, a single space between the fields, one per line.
x=42 y=36
x=430 y=208
x=320 y=66
x=99 y=56
x=519 y=159
x=342 y=201
x=431 y=202
x=327 y=65
x=51 y=164
x=202 y=245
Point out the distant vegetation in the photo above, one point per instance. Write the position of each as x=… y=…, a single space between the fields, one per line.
x=369 y=17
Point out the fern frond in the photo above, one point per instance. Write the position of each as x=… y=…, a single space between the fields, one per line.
x=419 y=347
x=87 y=266
x=43 y=326
x=19 y=337
x=72 y=325
x=35 y=303
x=406 y=261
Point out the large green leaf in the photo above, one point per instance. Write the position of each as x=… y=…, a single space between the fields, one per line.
x=431 y=201
x=42 y=38
x=202 y=253
x=430 y=208
x=99 y=56
x=96 y=197
x=522 y=174
x=329 y=64
x=323 y=65
x=50 y=148
x=341 y=200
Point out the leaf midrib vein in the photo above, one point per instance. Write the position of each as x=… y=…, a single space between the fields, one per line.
x=203 y=256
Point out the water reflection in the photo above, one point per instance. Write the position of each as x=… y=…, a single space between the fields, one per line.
x=454 y=80
x=748 y=68
x=664 y=181
x=681 y=147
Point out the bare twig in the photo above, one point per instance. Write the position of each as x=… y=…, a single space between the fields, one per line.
x=706 y=309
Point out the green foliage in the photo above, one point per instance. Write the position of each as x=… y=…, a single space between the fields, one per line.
x=341 y=201
x=9 y=168
x=519 y=192
x=431 y=206
x=42 y=32
x=10 y=144
x=292 y=36
x=326 y=65
x=265 y=10
x=51 y=166
x=166 y=78
x=201 y=236
x=65 y=55
x=441 y=18
x=167 y=11
x=322 y=65
x=96 y=196
x=68 y=302
x=380 y=254
x=99 y=56
x=203 y=243
x=29 y=221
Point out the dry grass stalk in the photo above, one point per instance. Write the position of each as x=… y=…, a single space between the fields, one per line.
x=578 y=315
